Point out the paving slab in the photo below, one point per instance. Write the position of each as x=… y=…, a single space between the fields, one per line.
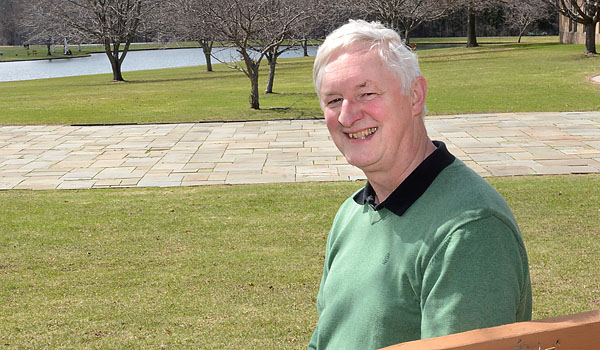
x=41 y=157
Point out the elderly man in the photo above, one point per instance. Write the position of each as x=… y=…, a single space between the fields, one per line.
x=427 y=247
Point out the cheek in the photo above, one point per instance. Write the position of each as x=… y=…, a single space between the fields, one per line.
x=331 y=119
x=378 y=110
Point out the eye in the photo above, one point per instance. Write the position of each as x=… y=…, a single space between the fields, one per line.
x=368 y=95
x=333 y=101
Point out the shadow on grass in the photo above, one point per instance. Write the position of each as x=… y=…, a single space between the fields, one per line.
x=467 y=54
x=160 y=80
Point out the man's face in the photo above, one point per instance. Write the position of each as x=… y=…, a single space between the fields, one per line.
x=368 y=117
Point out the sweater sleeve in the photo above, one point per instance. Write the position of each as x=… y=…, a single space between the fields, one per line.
x=314 y=340
x=313 y=344
x=478 y=277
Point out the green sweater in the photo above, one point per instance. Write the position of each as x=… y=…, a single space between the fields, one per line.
x=452 y=262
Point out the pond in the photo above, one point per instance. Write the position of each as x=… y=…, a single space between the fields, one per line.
x=135 y=60
x=98 y=63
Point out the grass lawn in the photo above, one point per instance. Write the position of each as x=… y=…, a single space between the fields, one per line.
x=489 y=40
x=167 y=95
x=511 y=78
x=232 y=267
x=40 y=52
x=501 y=77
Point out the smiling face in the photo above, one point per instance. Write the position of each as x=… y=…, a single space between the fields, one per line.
x=372 y=123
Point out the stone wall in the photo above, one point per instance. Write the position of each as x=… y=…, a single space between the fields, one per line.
x=571 y=32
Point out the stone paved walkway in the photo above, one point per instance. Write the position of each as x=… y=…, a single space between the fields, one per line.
x=81 y=157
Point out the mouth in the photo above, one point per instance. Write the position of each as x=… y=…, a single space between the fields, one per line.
x=361 y=135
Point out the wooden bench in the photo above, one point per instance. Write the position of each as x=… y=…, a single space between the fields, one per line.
x=572 y=332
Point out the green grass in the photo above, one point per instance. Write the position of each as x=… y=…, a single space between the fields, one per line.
x=40 y=52
x=488 y=40
x=511 y=78
x=166 y=95
x=560 y=220
x=233 y=267
x=505 y=77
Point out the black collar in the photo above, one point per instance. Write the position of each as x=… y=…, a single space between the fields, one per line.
x=413 y=186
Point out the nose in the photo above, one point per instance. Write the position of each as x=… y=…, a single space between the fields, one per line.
x=349 y=113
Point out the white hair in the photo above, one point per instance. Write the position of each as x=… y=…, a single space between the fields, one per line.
x=392 y=50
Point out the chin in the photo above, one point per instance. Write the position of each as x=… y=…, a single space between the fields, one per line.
x=359 y=163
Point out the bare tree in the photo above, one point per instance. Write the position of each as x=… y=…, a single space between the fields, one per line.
x=520 y=14
x=415 y=12
x=254 y=27
x=473 y=9
x=406 y=15
x=307 y=9
x=324 y=17
x=8 y=13
x=191 y=24
x=114 y=23
x=40 y=27
x=586 y=12
x=472 y=27
x=386 y=11
x=272 y=55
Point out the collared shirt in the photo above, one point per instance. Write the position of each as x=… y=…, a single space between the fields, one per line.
x=413 y=186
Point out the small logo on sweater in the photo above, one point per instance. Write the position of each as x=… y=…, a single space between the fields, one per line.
x=386 y=258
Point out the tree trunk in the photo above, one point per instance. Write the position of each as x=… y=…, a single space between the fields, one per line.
x=521 y=34
x=406 y=36
x=116 y=68
x=590 y=38
x=272 y=59
x=523 y=29
x=207 y=57
x=207 y=46
x=254 y=94
x=252 y=71
x=272 y=64
x=305 y=47
x=472 y=29
x=113 y=57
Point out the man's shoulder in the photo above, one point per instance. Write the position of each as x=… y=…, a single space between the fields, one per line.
x=350 y=202
x=461 y=185
x=458 y=190
x=349 y=207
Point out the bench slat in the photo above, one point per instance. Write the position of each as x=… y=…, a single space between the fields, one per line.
x=574 y=332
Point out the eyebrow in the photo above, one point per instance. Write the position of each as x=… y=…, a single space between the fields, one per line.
x=363 y=84
x=358 y=86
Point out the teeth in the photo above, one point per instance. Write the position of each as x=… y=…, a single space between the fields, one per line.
x=363 y=134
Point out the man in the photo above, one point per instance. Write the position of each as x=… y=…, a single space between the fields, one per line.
x=427 y=247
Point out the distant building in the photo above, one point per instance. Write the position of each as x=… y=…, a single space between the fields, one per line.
x=571 y=32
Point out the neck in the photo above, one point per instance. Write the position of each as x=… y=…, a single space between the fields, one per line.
x=385 y=182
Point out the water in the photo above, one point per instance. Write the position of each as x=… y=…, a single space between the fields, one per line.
x=98 y=63
x=135 y=60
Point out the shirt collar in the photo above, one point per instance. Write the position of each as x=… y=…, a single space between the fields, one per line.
x=413 y=186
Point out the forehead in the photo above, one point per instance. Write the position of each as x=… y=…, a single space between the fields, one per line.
x=354 y=68
x=351 y=56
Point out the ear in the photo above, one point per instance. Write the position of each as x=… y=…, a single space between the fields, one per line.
x=418 y=94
